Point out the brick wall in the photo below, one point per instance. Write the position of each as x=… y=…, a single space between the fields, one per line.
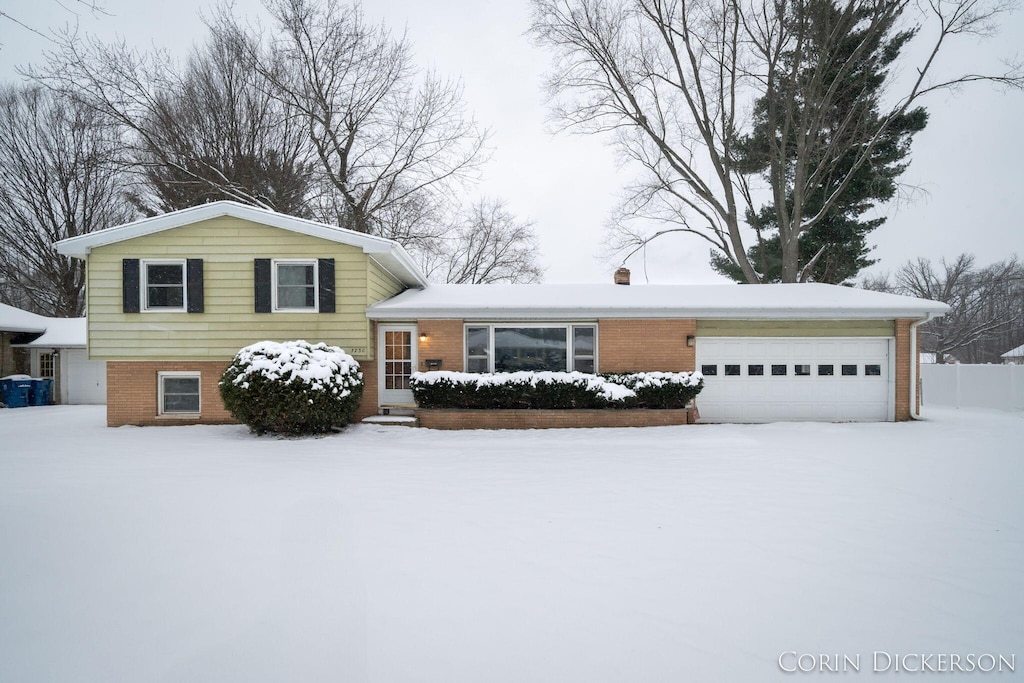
x=132 y=392
x=368 y=403
x=12 y=361
x=444 y=341
x=640 y=345
x=903 y=370
x=549 y=419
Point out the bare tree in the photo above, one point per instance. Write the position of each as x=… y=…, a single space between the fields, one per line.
x=986 y=305
x=486 y=246
x=191 y=134
x=59 y=178
x=217 y=135
x=91 y=6
x=384 y=133
x=673 y=82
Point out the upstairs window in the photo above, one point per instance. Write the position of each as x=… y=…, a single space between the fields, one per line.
x=165 y=288
x=162 y=285
x=295 y=285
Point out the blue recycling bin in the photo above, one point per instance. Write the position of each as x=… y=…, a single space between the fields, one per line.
x=16 y=392
x=42 y=392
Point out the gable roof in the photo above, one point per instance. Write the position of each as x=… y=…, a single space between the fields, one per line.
x=390 y=254
x=61 y=333
x=16 y=320
x=589 y=301
x=55 y=332
x=1014 y=353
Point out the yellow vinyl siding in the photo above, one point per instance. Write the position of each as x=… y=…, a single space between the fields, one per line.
x=795 y=328
x=380 y=284
x=227 y=247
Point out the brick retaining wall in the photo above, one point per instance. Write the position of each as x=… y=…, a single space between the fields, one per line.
x=435 y=418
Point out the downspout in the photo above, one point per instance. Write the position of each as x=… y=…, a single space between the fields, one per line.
x=915 y=413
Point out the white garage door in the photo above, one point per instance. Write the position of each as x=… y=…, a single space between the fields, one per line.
x=764 y=379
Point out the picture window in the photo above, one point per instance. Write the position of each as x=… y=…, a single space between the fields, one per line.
x=506 y=348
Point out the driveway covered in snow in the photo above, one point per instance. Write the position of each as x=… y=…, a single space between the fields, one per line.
x=701 y=553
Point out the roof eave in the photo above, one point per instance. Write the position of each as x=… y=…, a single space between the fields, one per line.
x=408 y=273
x=521 y=313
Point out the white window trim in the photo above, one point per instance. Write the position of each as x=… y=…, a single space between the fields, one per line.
x=570 y=341
x=316 y=284
x=160 y=376
x=144 y=285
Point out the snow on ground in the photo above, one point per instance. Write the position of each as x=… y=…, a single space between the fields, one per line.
x=698 y=553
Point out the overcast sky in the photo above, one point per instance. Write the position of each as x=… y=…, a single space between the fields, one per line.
x=968 y=161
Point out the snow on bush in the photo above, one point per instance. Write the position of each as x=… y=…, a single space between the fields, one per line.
x=292 y=387
x=661 y=389
x=554 y=390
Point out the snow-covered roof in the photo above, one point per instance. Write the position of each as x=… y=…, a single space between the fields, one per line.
x=390 y=254
x=1014 y=353
x=589 y=301
x=62 y=333
x=16 y=320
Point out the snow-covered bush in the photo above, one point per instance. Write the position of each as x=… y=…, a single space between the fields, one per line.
x=661 y=389
x=553 y=390
x=292 y=387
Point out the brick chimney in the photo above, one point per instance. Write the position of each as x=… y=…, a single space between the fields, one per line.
x=622 y=276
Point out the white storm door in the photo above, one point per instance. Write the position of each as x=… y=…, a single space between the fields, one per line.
x=396 y=356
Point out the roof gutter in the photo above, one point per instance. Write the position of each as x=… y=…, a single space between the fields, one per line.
x=915 y=411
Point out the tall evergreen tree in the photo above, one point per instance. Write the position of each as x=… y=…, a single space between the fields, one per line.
x=855 y=66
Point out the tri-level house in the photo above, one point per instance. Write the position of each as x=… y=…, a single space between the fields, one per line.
x=171 y=299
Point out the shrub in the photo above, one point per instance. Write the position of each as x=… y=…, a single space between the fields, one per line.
x=554 y=390
x=292 y=387
x=661 y=389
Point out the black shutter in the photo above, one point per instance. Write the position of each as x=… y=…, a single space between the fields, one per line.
x=326 y=277
x=130 y=285
x=194 y=274
x=261 y=273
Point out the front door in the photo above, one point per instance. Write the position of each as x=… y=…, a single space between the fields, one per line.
x=396 y=352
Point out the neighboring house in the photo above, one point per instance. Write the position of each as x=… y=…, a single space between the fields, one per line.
x=1014 y=356
x=172 y=298
x=53 y=348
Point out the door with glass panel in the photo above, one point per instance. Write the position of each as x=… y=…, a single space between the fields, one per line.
x=396 y=355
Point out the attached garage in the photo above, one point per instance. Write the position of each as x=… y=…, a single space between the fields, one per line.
x=768 y=379
x=783 y=352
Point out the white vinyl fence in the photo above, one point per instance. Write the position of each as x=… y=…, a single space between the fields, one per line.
x=973 y=386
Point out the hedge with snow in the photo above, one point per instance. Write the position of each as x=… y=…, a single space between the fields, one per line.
x=292 y=387
x=555 y=390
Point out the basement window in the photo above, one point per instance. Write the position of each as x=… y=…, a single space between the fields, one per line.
x=179 y=393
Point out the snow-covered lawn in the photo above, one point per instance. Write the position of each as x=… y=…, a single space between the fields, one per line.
x=391 y=555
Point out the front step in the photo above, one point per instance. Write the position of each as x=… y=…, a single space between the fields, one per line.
x=391 y=420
